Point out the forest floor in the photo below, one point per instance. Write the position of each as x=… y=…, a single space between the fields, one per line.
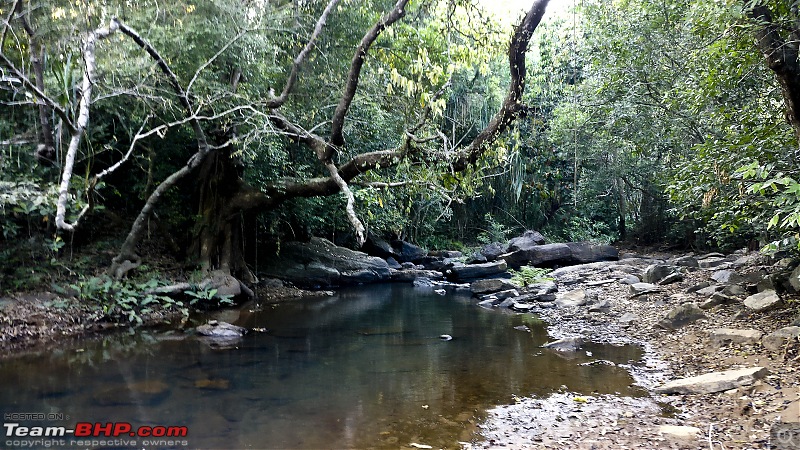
x=750 y=417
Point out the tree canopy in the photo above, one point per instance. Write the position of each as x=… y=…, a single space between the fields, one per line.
x=230 y=126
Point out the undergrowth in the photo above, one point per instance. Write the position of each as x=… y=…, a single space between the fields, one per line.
x=528 y=275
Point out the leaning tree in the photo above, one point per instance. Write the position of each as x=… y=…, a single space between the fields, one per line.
x=221 y=192
x=218 y=237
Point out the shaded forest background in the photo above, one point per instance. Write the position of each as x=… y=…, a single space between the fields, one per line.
x=668 y=124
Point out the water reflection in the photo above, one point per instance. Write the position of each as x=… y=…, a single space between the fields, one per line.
x=365 y=368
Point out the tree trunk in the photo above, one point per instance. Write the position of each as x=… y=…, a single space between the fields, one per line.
x=218 y=239
x=622 y=208
x=46 y=150
x=781 y=54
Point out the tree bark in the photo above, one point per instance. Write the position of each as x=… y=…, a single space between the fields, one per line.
x=46 y=150
x=337 y=123
x=781 y=55
x=80 y=124
x=512 y=106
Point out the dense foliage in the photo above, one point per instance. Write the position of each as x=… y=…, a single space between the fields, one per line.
x=655 y=123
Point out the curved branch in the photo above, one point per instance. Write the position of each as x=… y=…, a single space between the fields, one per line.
x=512 y=106
x=80 y=125
x=36 y=92
x=127 y=258
x=350 y=208
x=276 y=102
x=173 y=81
x=251 y=198
x=337 y=123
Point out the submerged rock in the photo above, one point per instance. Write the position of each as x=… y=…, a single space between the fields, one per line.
x=224 y=330
x=571 y=344
x=145 y=393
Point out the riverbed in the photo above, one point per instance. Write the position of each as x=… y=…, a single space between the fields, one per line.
x=378 y=366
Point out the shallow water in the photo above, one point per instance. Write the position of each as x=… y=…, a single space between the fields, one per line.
x=362 y=369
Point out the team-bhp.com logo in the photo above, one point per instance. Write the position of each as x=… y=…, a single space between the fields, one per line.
x=94 y=434
x=89 y=429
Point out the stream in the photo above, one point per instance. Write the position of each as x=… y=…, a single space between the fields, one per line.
x=365 y=368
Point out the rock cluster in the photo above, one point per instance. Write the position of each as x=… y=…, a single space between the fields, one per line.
x=320 y=264
x=722 y=341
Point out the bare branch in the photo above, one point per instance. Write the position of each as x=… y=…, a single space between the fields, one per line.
x=297 y=133
x=173 y=79
x=337 y=123
x=80 y=125
x=213 y=58
x=512 y=105
x=7 y=24
x=350 y=208
x=36 y=92
x=276 y=102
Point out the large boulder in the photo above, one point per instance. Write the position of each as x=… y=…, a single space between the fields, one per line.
x=490 y=285
x=549 y=255
x=474 y=271
x=378 y=246
x=493 y=251
x=408 y=252
x=528 y=240
x=319 y=264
